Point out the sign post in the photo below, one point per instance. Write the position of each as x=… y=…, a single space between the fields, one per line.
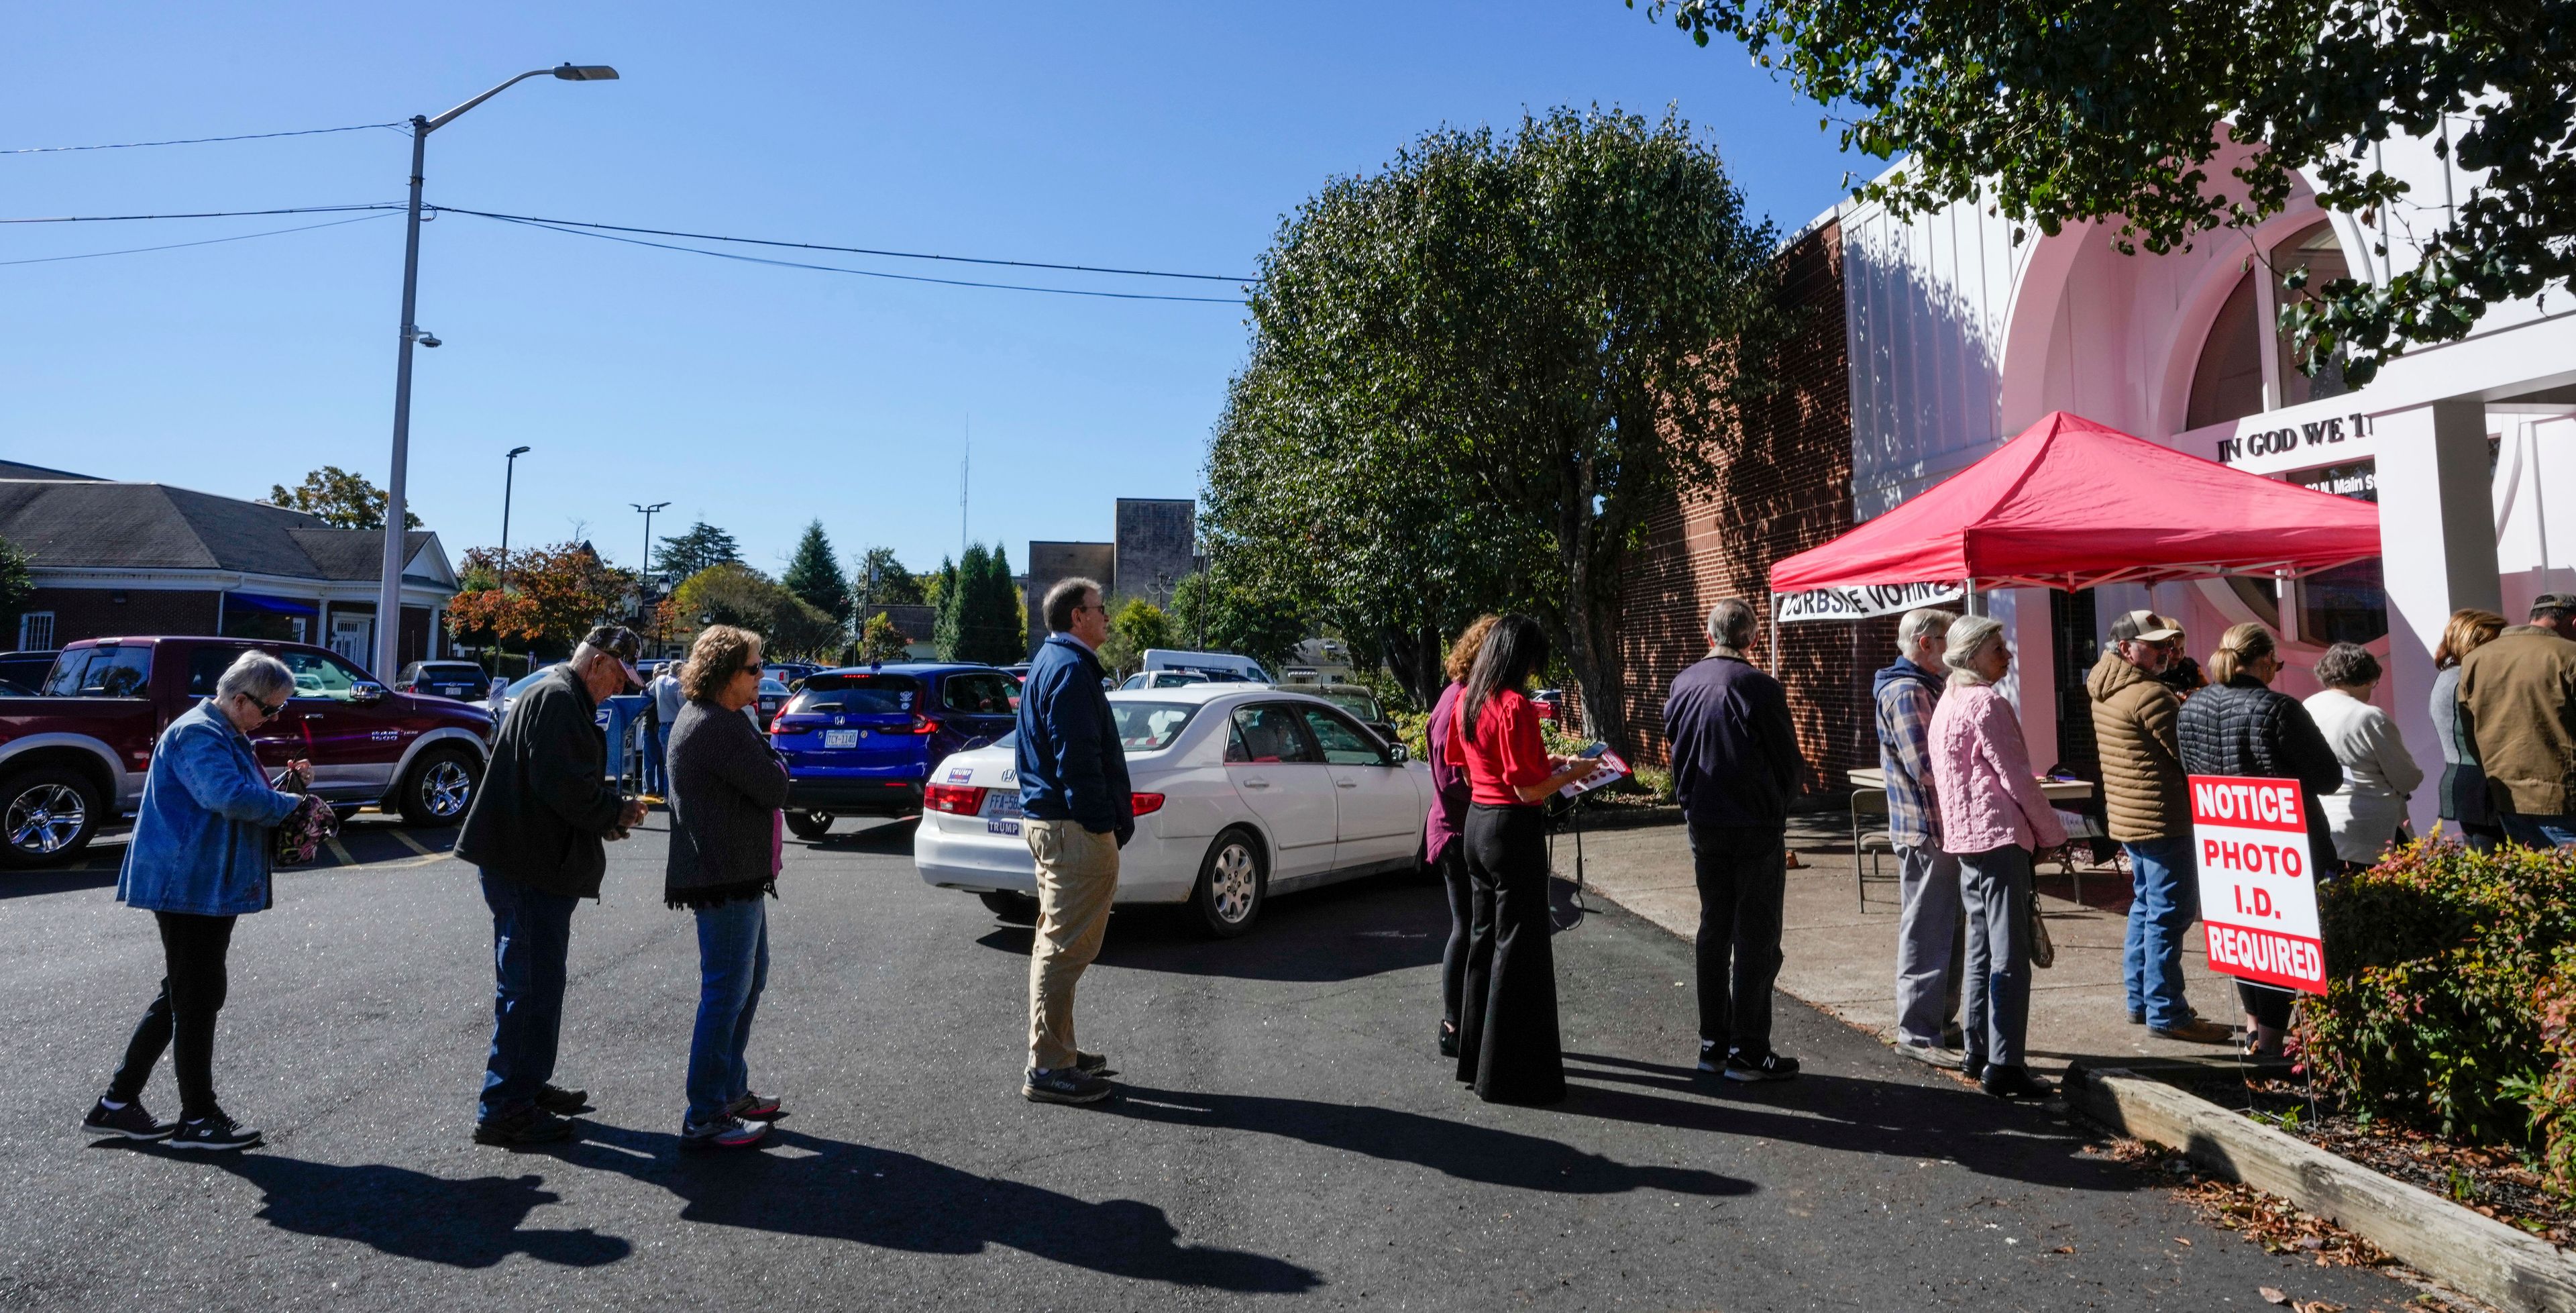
x=2258 y=891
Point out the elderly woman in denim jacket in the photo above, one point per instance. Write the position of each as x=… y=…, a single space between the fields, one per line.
x=1994 y=819
x=198 y=859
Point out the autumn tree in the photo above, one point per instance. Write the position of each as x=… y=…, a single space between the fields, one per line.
x=732 y=593
x=552 y=595
x=343 y=500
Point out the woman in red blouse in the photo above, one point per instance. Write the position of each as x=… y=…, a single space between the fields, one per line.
x=1507 y=1042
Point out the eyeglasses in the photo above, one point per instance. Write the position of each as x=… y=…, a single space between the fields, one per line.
x=266 y=710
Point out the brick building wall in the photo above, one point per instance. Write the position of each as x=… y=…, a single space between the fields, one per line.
x=95 y=613
x=1787 y=489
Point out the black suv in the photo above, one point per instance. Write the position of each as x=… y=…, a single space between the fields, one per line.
x=461 y=680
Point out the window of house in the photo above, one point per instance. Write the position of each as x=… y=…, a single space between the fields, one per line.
x=2234 y=376
x=36 y=631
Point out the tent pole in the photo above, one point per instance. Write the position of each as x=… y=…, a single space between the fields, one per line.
x=1968 y=592
x=1771 y=628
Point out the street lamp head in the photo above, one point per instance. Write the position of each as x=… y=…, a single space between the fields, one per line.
x=586 y=73
x=516 y=452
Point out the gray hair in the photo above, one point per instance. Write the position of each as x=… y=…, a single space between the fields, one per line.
x=1919 y=624
x=1061 y=599
x=255 y=673
x=1969 y=635
x=1730 y=623
x=2347 y=665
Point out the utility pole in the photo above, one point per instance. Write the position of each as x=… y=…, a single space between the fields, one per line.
x=644 y=575
x=501 y=573
x=965 y=468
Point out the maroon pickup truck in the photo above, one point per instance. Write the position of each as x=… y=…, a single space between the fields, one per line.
x=74 y=759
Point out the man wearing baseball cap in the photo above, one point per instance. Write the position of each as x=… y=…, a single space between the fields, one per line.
x=2135 y=717
x=537 y=829
x=2518 y=704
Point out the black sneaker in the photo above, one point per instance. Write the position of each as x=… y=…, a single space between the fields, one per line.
x=562 y=1102
x=130 y=1121
x=1065 y=1085
x=1712 y=1056
x=214 y=1131
x=1767 y=1066
x=2014 y=1083
x=1091 y=1064
x=528 y=1125
x=1973 y=1066
x=1448 y=1040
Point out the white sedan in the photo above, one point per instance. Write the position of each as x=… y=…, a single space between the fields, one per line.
x=1242 y=791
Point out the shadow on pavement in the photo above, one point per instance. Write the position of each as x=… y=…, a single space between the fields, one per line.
x=1341 y=932
x=880 y=836
x=27 y=884
x=470 y=1223
x=804 y=1185
x=1463 y=1150
x=1938 y=1120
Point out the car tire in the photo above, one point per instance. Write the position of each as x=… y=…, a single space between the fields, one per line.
x=1234 y=880
x=440 y=788
x=1018 y=909
x=809 y=825
x=47 y=816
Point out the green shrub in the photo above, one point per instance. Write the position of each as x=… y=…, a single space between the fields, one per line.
x=2439 y=964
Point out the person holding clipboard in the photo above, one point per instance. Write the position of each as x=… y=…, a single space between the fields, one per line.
x=1507 y=1037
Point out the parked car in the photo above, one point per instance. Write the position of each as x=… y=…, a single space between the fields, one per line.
x=773 y=695
x=75 y=758
x=860 y=740
x=788 y=672
x=1162 y=679
x=26 y=669
x=461 y=680
x=1549 y=703
x=1362 y=705
x=1242 y=792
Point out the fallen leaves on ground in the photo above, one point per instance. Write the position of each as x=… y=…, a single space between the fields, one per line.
x=2264 y=1219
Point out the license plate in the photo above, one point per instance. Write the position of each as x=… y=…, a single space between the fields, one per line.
x=1005 y=803
x=997 y=825
x=840 y=738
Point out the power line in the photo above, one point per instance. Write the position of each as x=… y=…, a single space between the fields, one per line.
x=849 y=250
x=862 y=273
x=198 y=141
x=210 y=241
x=206 y=214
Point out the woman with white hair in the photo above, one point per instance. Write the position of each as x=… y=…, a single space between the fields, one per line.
x=199 y=858
x=1994 y=819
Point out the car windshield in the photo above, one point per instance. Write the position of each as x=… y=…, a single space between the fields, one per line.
x=1359 y=702
x=772 y=688
x=524 y=682
x=1151 y=726
x=858 y=695
x=457 y=673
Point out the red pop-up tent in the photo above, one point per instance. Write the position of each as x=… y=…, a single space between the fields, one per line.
x=2072 y=504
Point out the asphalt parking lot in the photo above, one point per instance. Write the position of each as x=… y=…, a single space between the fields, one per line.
x=1287 y=1135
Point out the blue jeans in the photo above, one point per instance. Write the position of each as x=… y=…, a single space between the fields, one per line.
x=2164 y=896
x=655 y=748
x=531 y=933
x=733 y=967
x=2534 y=831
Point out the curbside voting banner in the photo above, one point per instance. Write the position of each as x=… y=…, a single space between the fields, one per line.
x=2258 y=895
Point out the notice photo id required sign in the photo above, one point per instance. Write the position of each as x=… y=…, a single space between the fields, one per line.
x=2258 y=891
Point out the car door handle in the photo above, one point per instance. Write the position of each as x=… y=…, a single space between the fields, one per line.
x=1256 y=784
x=1346 y=784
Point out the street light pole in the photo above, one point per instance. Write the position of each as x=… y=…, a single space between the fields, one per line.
x=509 y=473
x=389 y=588
x=644 y=576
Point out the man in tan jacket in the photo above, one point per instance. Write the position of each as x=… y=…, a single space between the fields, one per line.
x=2518 y=702
x=2134 y=719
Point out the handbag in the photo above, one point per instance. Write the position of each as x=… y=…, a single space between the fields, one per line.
x=2042 y=952
x=302 y=833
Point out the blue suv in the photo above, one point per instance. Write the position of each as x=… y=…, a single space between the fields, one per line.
x=860 y=740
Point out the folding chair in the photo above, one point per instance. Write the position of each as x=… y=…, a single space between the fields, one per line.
x=1871 y=805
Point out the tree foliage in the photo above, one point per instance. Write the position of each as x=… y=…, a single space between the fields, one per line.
x=1137 y=626
x=704 y=545
x=2118 y=110
x=731 y=593
x=1210 y=613
x=979 y=610
x=17 y=584
x=343 y=500
x=879 y=640
x=814 y=573
x=893 y=586
x=551 y=595
x=1477 y=372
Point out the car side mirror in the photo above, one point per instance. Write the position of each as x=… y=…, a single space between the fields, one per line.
x=366 y=690
x=1398 y=754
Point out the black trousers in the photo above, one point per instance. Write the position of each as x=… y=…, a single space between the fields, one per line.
x=1462 y=913
x=1507 y=1039
x=1743 y=877
x=182 y=1019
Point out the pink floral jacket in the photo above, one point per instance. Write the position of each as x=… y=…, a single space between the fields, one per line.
x=1981 y=770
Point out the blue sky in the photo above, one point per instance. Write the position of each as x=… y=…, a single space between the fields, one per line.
x=1167 y=136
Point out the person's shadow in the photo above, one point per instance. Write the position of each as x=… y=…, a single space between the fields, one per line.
x=804 y=1185
x=469 y=1223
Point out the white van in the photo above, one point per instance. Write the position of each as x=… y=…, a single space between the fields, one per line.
x=1221 y=667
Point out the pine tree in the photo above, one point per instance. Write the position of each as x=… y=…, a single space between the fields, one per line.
x=815 y=576
x=702 y=546
x=954 y=632
x=994 y=625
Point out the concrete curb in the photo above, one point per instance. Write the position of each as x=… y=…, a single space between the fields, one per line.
x=2479 y=1255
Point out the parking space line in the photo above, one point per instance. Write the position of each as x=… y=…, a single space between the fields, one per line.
x=340 y=853
x=414 y=844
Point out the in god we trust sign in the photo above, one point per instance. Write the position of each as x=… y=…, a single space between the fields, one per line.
x=2258 y=891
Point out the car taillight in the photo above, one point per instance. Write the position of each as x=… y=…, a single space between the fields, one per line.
x=922 y=724
x=955 y=799
x=1147 y=803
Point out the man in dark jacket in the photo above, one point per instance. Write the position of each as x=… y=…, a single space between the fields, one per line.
x=1735 y=759
x=1079 y=813
x=536 y=830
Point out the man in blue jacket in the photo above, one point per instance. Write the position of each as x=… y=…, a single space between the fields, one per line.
x=1073 y=789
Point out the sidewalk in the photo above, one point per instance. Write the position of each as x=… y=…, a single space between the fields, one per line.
x=1840 y=954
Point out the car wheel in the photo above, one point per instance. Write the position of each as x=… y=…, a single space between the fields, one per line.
x=1232 y=881
x=1018 y=909
x=440 y=787
x=810 y=825
x=47 y=816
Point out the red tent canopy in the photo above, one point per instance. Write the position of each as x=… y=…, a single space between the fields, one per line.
x=2073 y=504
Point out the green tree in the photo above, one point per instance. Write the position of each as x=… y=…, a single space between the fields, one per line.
x=1211 y=615
x=343 y=500
x=979 y=610
x=17 y=584
x=935 y=585
x=703 y=546
x=2053 y=111
x=1502 y=354
x=731 y=593
x=894 y=585
x=948 y=631
x=880 y=641
x=814 y=574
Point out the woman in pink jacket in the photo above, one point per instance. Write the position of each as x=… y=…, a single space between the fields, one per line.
x=1994 y=820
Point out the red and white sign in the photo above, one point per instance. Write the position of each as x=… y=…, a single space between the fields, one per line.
x=2258 y=893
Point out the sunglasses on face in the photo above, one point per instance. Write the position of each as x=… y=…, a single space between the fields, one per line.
x=267 y=711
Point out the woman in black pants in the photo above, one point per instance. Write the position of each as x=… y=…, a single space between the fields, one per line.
x=1507 y=1041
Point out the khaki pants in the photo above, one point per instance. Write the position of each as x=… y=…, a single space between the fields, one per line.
x=1077 y=879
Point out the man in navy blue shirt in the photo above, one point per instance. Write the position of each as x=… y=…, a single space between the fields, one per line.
x=1079 y=813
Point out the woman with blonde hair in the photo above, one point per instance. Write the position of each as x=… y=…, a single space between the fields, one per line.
x=1995 y=820
x=726 y=787
x=1443 y=828
x=2464 y=781
x=2239 y=726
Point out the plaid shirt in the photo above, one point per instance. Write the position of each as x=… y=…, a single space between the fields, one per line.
x=1905 y=756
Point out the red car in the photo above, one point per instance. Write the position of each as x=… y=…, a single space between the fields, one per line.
x=74 y=758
